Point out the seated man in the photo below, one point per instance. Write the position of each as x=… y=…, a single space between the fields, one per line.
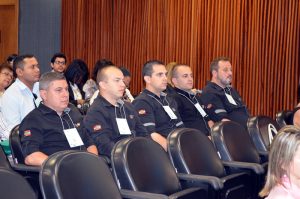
x=222 y=96
x=190 y=107
x=158 y=112
x=23 y=95
x=58 y=62
x=110 y=119
x=55 y=125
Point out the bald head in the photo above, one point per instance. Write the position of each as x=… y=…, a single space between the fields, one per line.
x=104 y=72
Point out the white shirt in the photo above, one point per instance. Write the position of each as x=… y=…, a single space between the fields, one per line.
x=18 y=101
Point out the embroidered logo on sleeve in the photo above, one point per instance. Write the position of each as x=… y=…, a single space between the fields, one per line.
x=27 y=133
x=97 y=127
x=142 y=112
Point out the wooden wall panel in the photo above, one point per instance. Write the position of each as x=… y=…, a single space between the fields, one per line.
x=260 y=37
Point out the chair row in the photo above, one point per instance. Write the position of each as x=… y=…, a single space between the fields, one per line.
x=205 y=166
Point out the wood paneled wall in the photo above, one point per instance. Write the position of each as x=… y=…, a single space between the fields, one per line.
x=260 y=37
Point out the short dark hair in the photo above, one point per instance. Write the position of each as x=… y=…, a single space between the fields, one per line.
x=49 y=77
x=214 y=65
x=19 y=62
x=148 y=67
x=99 y=65
x=11 y=57
x=101 y=72
x=174 y=69
x=61 y=55
x=125 y=71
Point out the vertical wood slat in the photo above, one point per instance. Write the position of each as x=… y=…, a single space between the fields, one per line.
x=261 y=38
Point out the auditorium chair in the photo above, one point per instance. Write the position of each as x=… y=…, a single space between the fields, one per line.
x=79 y=174
x=4 y=163
x=13 y=185
x=262 y=129
x=235 y=145
x=140 y=164
x=193 y=153
x=30 y=173
x=283 y=118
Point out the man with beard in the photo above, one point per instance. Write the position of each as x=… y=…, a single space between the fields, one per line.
x=222 y=96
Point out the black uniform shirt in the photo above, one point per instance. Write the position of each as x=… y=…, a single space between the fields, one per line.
x=215 y=95
x=152 y=114
x=42 y=130
x=191 y=117
x=101 y=123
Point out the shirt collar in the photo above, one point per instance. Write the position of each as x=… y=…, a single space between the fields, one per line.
x=162 y=94
x=105 y=102
x=185 y=93
x=46 y=110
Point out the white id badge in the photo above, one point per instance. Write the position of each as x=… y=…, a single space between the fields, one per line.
x=200 y=109
x=73 y=137
x=230 y=99
x=170 y=112
x=123 y=126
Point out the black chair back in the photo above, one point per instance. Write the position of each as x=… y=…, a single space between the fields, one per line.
x=77 y=175
x=262 y=129
x=193 y=153
x=15 y=145
x=4 y=163
x=234 y=143
x=13 y=185
x=283 y=118
x=141 y=164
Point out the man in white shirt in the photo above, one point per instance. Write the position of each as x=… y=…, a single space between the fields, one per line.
x=23 y=95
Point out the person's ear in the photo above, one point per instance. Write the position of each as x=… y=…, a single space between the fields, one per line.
x=19 y=72
x=147 y=79
x=43 y=94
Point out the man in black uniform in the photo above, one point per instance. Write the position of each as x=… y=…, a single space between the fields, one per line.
x=190 y=106
x=158 y=112
x=110 y=119
x=224 y=98
x=53 y=126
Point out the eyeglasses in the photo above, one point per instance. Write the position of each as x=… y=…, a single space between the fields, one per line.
x=60 y=62
x=7 y=74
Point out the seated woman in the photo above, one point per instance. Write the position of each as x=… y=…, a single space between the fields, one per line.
x=284 y=166
x=6 y=77
x=77 y=74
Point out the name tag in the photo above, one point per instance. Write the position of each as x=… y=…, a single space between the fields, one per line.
x=170 y=112
x=73 y=137
x=123 y=126
x=230 y=99
x=200 y=109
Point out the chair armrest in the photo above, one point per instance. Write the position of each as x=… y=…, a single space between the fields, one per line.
x=257 y=168
x=25 y=168
x=264 y=156
x=213 y=181
x=141 y=195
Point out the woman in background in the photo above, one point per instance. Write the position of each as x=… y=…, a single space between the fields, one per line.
x=77 y=74
x=6 y=77
x=283 y=178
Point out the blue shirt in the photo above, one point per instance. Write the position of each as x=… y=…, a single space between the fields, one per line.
x=18 y=101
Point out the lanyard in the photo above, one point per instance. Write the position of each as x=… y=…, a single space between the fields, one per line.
x=67 y=122
x=121 y=108
x=190 y=99
x=165 y=99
